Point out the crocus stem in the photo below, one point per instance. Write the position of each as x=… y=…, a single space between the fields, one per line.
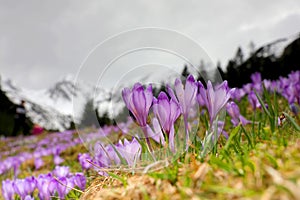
x=145 y=130
x=186 y=124
x=171 y=139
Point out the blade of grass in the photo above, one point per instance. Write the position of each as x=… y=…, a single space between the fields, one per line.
x=145 y=147
x=247 y=136
x=263 y=105
x=233 y=133
x=291 y=119
x=115 y=176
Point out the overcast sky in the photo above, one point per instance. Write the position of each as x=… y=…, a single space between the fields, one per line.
x=41 y=41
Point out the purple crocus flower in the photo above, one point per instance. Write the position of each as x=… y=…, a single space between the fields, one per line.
x=111 y=155
x=252 y=98
x=8 y=189
x=28 y=197
x=57 y=160
x=61 y=187
x=105 y=156
x=130 y=151
x=283 y=82
x=238 y=94
x=200 y=99
x=247 y=88
x=83 y=160
x=52 y=186
x=43 y=182
x=294 y=108
x=294 y=76
x=30 y=184
x=138 y=101
x=167 y=111
x=234 y=112
x=256 y=77
x=267 y=84
x=61 y=171
x=185 y=97
x=274 y=86
x=79 y=180
x=257 y=82
x=290 y=87
x=19 y=186
x=291 y=93
x=215 y=99
x=38 y=163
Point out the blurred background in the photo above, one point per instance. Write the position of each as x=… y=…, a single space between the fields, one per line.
x=43 y=43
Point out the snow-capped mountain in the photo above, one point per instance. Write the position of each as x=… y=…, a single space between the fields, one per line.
x=55 y=108
x=277 y=47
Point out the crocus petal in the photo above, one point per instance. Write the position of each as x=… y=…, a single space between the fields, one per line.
x=256 y=77
x=19 y=187
x=126 y=94
x=202 y=96
x=61 y=171
x=7 y=189
x=174 y=110
x=211 y=100
x=158 y=135
x=28 y=197
x=139 y=101
x=163 y=112
x=79 y=180
x=61 y=188
x=129 y=150
x=216 y=99
x=233 y=110
x=171 y=93
x=180 y=93
x=190 y=92
x=148 y=97
x=243 y=120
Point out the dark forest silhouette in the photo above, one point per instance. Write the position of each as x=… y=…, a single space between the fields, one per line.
x=262 y=60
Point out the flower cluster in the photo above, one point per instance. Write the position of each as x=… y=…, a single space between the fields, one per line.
x=179 y=102
x=57 y=183
x=288 y=87
x=53 y=145
x=60 y=180
x=109 y=155
x=106 y=156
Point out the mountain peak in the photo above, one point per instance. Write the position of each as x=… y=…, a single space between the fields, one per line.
x=67 y=78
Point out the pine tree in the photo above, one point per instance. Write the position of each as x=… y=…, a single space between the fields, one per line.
x=89 y=116
x=239 y=56
x=185 y=72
